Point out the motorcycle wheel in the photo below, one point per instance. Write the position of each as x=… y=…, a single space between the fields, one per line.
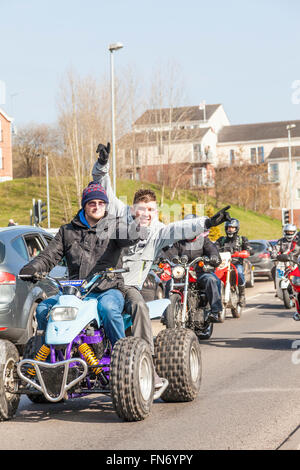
x=178 y=359
x=9 y=401
x=222 y=315
x=172 y=312
x=236 y=309
x=132 y=379
x=288 y=302
x=205 y=333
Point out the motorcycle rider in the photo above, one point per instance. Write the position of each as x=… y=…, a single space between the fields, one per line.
x=139 y=258
x=207 y=281
x=234 y=242
x=91 y=242
x=286 y=244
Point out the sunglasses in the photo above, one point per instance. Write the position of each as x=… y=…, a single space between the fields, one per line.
x=96 y=203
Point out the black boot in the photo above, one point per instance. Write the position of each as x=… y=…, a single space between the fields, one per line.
x=242 y=299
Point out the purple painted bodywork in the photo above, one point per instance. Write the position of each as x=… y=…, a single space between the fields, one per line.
x=80 y=339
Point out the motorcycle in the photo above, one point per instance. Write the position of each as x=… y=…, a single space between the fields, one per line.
x=74 y=358
x=228 y=275
x=189 y=307
x=283 y=287
x=291 y=274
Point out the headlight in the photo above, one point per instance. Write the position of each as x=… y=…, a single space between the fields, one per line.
x=63 y=313
x=178 y=272
x=296 y=280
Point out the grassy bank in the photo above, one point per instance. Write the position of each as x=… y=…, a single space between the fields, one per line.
x=16 y=201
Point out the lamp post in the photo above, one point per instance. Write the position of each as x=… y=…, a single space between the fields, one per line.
x=113 y=47
x=48 y=192
x=289 y=127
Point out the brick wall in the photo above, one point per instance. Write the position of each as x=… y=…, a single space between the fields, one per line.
x=5 y=144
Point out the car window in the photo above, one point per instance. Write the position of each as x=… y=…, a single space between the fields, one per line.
x=257 y=247
x=18 y=244
x=2 y=252
x=34 y=245
x=48 y=238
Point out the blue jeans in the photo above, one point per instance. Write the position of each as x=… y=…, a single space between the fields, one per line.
x=211 y=284
x=241 y=274
x=110 y=308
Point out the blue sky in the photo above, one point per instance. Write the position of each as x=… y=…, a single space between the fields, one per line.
x=243 y=54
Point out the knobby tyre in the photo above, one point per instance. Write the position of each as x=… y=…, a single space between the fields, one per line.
x=9 y=400
x=132 y=379
x=178 y=359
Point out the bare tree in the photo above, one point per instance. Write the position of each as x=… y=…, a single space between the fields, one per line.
x=83 y=120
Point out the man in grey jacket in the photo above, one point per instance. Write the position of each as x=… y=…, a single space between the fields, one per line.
x=139 y=258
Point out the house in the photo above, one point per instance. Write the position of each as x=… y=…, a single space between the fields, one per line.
x=279 y=172
x=169 y=143
x=254 y=142
x=185 y=145
x=266 y=142
x=6 y=172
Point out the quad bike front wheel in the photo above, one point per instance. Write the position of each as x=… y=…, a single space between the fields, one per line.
x=132 y=378
x=178 y=359
x=9 y=399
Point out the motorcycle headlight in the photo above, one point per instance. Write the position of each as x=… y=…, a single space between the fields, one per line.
x=296 y=280
x=63 y=313
x=178 y=272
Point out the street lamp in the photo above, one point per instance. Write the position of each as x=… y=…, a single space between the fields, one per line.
x=289 y=127
x=113 y=47
x=48 y=192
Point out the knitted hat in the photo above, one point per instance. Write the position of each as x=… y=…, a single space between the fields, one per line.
x=93 y=191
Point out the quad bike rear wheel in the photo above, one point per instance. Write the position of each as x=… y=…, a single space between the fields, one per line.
x=9 y=399
x=132 y=378
x=178 y=359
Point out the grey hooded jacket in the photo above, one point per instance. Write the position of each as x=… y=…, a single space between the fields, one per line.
x=139 y=258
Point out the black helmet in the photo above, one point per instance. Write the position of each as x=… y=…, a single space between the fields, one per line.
x=233 y=223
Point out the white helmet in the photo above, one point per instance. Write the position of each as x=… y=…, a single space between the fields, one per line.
x=289 y=231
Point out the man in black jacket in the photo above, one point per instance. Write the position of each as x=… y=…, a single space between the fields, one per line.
x=207 y=281
x=233 y=242
x=91 y=242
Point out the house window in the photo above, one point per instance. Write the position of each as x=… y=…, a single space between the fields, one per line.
x=261 y=154
x=298 y=193
x=231 y=157
x=253 y=155
x=1 y=160
x=197 y=152
x=160 y=149
x=273 y=172
x=199 y=176
x=257 y=155
x=298 y=166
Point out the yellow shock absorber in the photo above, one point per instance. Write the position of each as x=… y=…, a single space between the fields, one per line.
x=40 y=356
x=90 y=357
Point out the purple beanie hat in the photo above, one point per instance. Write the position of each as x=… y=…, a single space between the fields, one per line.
x=93 y=191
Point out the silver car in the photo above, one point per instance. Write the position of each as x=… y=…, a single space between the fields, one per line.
x=18 y=299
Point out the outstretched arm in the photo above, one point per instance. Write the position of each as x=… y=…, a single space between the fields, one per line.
x=100 y=174
x=189 y=229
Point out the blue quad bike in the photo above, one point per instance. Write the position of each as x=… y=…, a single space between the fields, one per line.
x=74 y=359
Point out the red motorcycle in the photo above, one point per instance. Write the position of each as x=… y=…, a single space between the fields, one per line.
x=292 y=271
x=189 y=306
x=228 y=275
